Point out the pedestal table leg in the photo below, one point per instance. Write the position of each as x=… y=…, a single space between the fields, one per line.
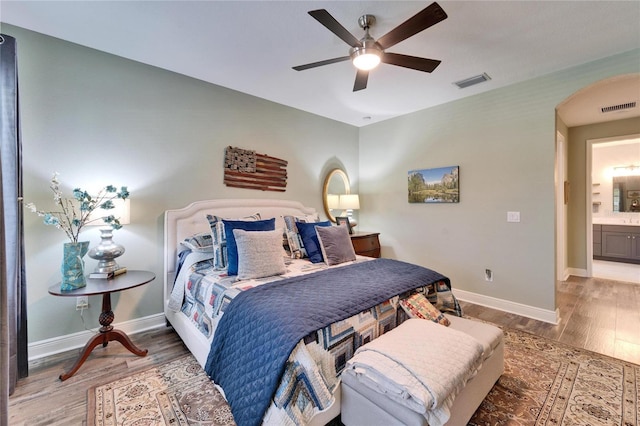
x=107 y=334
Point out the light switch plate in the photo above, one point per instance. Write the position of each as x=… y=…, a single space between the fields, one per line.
x=513 y=216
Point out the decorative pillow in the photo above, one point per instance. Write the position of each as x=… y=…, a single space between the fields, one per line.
x=439 y=294
x=335 y=244
x=232 y=249
x=309 y=237
x=259 y=253
x=294 y=244
x=417 y=306
x=219 y=238
x=199 y=243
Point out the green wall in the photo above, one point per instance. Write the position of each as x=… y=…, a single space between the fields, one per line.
x=100 y=119
x=504 y=143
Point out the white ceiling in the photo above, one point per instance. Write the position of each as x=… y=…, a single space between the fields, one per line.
x=250 y=46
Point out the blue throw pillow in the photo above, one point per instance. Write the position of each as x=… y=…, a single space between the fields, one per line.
x=232 y=246
x=309 y=237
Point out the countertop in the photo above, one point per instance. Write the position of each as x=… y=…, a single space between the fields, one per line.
x=616 y=221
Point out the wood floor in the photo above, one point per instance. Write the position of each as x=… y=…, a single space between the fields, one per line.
x=596 y=314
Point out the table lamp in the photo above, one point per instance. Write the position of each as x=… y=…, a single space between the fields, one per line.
x=349 y=203
x=107 y=251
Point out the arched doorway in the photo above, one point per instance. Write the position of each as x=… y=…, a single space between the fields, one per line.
x=606 y=109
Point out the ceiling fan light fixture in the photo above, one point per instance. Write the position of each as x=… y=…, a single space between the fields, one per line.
x=366 y=59
x=367 y=53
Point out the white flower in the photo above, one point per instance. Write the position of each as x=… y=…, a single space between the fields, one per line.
x=74 y=212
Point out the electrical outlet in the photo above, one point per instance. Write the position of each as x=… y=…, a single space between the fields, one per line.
x=488 y=275
x=513 y=216
x=82 y=302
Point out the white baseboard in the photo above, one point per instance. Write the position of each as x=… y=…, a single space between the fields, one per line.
x=67 y=342
x=545 y=315
x=577 y=272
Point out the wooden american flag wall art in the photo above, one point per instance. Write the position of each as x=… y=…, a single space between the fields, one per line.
x=246 y=169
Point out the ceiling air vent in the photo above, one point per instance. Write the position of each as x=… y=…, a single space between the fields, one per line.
x=472 y=80
x=620 y=107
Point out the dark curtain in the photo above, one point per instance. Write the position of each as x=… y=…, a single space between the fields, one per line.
x=13 y=313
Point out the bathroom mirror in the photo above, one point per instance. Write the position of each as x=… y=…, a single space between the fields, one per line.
x=336 y=183
x=626 y=193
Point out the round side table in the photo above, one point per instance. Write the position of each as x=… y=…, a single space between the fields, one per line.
x=105 y=287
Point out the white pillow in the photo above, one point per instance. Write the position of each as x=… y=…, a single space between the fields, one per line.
x=260 y=253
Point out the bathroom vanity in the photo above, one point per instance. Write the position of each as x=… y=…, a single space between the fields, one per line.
x=617 y=243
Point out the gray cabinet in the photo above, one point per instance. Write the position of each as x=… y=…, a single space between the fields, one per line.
x=618 y=243
x=597 y=240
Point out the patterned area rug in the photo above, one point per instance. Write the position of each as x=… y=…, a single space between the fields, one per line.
x=549 y=383
x=176 y=393
x=544 y=383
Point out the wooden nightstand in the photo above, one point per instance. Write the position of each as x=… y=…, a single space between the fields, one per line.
x=107 y=333
x=366 y=243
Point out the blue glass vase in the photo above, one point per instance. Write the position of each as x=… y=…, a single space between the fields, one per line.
x=73 y=266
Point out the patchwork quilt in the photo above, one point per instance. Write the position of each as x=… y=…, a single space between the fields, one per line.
x=310 y=375
x=261 y=327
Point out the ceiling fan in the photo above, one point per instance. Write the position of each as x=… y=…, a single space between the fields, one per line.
x=367 y=53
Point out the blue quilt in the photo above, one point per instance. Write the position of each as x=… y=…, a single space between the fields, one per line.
x=262 y=325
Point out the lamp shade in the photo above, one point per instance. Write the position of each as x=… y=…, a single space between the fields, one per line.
x=350 y=202
x=120 y=210
x=333 y=201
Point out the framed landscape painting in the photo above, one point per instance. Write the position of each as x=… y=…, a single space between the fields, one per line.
x=440 y=185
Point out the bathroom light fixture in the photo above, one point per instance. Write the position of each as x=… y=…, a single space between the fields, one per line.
x=626 y=171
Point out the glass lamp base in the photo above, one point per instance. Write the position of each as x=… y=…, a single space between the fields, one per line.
x=106 y=252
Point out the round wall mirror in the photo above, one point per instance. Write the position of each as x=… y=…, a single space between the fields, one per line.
x=336 y=183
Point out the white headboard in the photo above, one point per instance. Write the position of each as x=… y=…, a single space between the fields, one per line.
x=181 y=223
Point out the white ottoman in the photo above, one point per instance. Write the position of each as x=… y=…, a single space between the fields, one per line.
x=362 y=406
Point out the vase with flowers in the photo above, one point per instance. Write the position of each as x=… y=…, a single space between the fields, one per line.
x=72 y=215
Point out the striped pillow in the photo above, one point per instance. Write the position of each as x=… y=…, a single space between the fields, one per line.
x=294 y=244
x=219 y=238
x=199 y=243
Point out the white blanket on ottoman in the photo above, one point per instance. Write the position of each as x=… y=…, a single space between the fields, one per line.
x=421 y=365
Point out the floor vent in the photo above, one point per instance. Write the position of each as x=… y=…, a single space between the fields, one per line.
x=619 y=107
x=477 y=79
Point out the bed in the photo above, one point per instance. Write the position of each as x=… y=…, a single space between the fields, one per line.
x=313 y=395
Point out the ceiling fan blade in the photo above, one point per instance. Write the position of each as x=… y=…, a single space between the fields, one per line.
x=361 y=80
x=413 y=62
x=427 y=17
x=321 y=63
x=325 y=18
